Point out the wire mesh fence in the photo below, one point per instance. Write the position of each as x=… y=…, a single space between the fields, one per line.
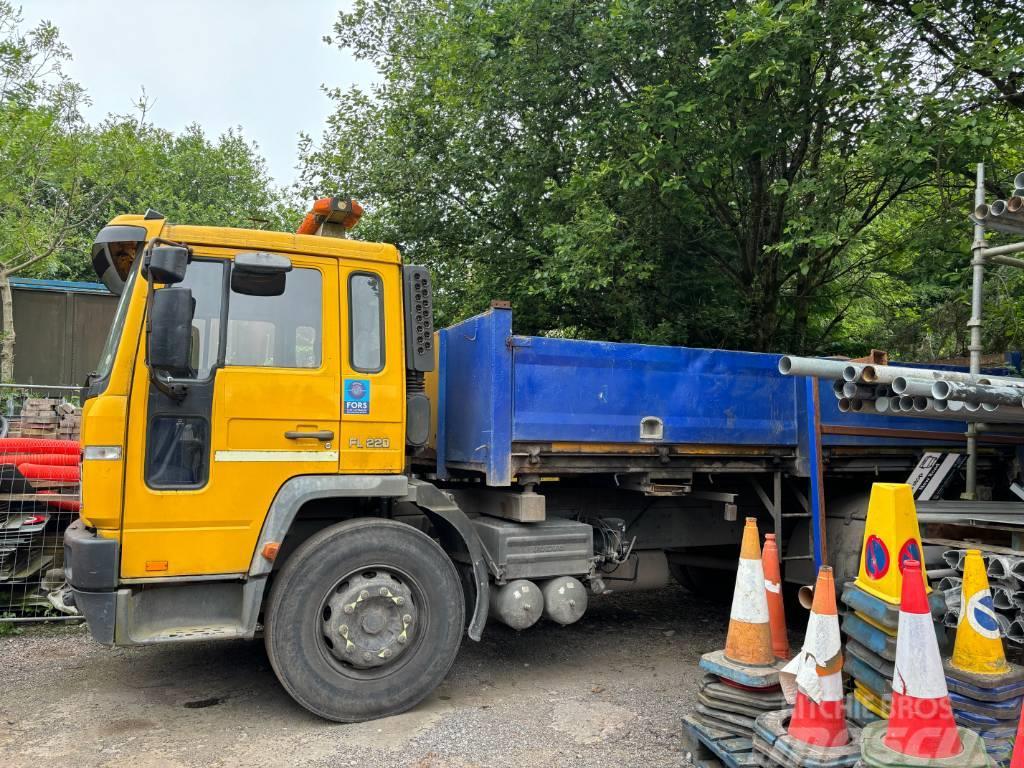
x=39 y=497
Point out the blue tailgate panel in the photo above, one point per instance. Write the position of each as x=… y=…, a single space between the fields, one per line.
x=590 y=391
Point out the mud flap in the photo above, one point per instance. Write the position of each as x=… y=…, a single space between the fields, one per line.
x=456 y=532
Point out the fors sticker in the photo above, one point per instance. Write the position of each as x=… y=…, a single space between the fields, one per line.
x=357 y=397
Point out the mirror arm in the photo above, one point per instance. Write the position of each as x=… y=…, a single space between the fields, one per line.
x=176 y=389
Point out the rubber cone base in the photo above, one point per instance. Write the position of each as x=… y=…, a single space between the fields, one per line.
x=997 y=710
x=753 y=677
x=880 y=611
x=859 y=712
x=725 y=696
x=882 y=666
x=877 y=705
x=877 y=683
x=730 y=722
x=986 y=727
x=772 y=741
x=875 y=754
x=875 y=640
x=985 y=687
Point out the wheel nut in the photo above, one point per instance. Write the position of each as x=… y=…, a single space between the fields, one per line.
x=383 y=592
x=364 y=595
x=348 y=609
x=399 y=601
x=367 y=656
x=407 y=619
x=386 y=653
x=343 y=630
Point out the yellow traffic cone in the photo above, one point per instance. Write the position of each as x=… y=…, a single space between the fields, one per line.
x=978 y=647
x=891 y=538
x=978 y=669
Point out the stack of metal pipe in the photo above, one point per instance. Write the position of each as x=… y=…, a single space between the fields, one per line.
x=1006 y=583
x=916 y=392
x=1004 y=215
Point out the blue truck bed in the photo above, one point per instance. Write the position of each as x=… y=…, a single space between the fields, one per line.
x=499 y=394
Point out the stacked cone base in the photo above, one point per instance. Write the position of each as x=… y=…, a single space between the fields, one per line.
x=717 y=663
x=875 y=754
x=775 y=747
x=997 y=710
x=989 y=705
x=868 y=677
x=995 y=688
x=730 y=697
x=878 y=640
x=878 y=706
x=880 y=612
x=870 y=651
x=884 y=667
x=716 y=695
x=731 y=709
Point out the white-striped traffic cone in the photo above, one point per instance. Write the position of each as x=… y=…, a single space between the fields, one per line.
x=921 y=717
x=749 y=641
x=814 y=678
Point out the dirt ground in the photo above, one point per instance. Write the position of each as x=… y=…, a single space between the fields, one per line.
x=608 y=691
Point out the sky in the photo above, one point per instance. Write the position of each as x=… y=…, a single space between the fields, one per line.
x=257 y=64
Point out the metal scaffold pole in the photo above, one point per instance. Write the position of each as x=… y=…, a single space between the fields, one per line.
x=978 y=264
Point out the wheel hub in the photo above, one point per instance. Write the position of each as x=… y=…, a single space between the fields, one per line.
x=369 y=620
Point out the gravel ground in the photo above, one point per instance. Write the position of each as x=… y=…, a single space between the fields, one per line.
x=608 y=691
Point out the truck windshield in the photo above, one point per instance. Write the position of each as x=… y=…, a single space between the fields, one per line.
x=110 y=348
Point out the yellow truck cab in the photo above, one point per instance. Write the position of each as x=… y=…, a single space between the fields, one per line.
x=245 y=444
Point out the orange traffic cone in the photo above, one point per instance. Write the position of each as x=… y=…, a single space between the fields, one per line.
x=749 y=641
x=773 y=590
x=921 y=716
x=819 y=718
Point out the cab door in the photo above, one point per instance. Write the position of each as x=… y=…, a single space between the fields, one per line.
x=263 y=407
x=373 y=369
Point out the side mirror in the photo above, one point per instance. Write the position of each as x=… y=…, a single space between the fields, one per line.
x=166 y=264
x=259 y=274
x=170 y=331
x=113 y=252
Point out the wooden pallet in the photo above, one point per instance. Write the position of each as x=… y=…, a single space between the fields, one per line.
x=713 y=748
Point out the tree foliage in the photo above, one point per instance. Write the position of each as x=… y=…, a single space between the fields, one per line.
x=62 y=179
x=743 y=174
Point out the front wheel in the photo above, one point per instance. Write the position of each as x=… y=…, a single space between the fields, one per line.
x=364 y=620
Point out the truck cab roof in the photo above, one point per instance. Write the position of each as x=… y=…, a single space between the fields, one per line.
x=258 y=239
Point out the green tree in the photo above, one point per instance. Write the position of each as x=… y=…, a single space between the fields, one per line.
x=44 y=156
x=727 y=174
x=61 y=179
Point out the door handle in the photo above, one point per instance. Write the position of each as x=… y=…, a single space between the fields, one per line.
x=324 y=434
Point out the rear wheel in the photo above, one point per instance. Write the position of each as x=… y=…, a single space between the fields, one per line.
x=711 y=583
x=364 y=620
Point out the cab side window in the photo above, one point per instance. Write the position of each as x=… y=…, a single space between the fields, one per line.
x=366 y=322
x=178 y=445
x=278 y=331
x=206 y=280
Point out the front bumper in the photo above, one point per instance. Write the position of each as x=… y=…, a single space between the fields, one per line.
x=91 y=564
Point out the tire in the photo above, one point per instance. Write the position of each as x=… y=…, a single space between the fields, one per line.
x=710 y=583
x=307 y=634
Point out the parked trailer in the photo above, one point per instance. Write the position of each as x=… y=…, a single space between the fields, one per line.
x=276 y=440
